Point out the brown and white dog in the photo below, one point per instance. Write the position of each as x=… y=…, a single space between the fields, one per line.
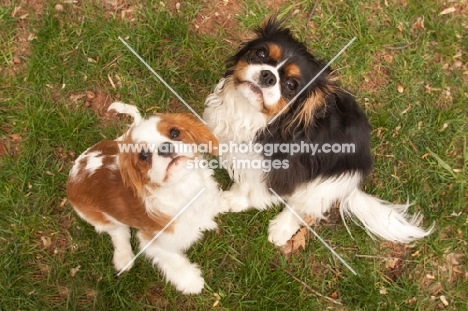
x=142 y=180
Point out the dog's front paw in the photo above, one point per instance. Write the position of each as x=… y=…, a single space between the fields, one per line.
x=190 y=280
x=121 y=259
x=279 y=232
x=232 y=202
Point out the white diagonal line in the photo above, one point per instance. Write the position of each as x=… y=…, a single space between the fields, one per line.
x=161 y=79
x=313 y=79
x=162 y=230
x=315 y=233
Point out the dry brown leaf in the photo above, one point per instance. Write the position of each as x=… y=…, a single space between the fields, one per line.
x=76 y=97
x=444 y=300
x=448 y=10
x=406 y=110
x=90 y=94
x=388 y=58
x=73 y=271
x=392 y=263
x=297 y=242
x=454 y=258
x=419 y=24
x=383 y=291
x=64 y=291
x=400 y=26
x=435 y=288
x=46 y=241
x=15 y=137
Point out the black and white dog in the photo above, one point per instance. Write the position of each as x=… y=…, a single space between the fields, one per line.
x=260 y=80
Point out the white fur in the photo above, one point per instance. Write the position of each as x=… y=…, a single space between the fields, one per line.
x=230 y=115
x=271 y=94
x=94 y=162
x=167 y=251
x=130 y=110
x=233 y=118
x=170 y=195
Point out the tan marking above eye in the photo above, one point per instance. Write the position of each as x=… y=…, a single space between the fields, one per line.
x=274 y=51
x=292 y=71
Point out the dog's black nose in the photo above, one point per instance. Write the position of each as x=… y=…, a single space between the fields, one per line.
x=166 y=150
x=267 y=78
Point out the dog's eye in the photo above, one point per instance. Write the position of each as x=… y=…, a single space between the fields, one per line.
x=261 y=53
x=145 y=155
x=174 y=133
x=291 y=84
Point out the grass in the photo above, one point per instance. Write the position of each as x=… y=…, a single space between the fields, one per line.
x=419 y=141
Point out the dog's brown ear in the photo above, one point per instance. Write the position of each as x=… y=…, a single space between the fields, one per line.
x=190 y=130
x=131 y=170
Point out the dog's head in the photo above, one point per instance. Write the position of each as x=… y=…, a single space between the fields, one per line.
x=156 y=150
x=271 y=69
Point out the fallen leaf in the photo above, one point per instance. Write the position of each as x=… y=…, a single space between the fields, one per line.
x=406 y=110
x=15 y=137
x=296 y=242
x=73 y=271
x=444 y=300
x=419 y=24
x=334 y=295
x=448 y=11
x=76 y=97
x=392 y=263
x=457 y=64
x=388 y=58
x=435 y=288
x=90 y=94
x=400 y=26
x=454 y=258
x=64 y=291
x=430 y=277
x=46 y=241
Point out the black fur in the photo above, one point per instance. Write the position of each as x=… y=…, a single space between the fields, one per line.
x=339 y=120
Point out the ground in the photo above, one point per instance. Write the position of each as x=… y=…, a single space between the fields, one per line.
x=61 y=65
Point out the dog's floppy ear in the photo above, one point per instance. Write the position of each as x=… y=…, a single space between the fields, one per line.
x=199 y=133
x=131 y=170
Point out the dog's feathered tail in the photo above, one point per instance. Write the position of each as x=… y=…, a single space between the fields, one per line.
x=383 y=219
x=130 y=110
